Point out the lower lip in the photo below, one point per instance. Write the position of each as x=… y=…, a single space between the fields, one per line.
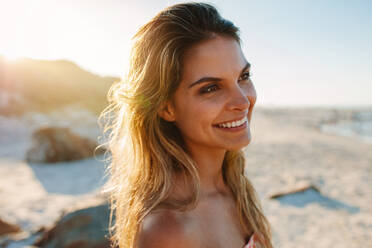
x=233 y=129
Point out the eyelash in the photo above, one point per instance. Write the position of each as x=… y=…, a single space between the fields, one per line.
x=246 y=75
x=215 y=87
x=209 y=89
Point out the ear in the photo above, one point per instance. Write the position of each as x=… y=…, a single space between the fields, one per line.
x=166 y=111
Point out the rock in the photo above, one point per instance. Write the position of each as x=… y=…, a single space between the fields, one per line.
x=56 y=144
x=7 y=228
x=82 y=228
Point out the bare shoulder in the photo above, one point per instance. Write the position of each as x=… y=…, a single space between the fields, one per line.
x=163 y=229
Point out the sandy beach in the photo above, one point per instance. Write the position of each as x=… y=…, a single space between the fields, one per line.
x=288 y=149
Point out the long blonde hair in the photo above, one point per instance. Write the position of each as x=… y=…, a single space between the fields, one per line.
x=146 y=151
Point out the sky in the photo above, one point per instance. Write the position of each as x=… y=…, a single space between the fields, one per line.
x=302 y=52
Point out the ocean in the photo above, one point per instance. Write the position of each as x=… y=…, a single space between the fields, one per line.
x=358 y=126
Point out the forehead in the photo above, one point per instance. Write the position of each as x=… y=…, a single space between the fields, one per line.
x=218 y=57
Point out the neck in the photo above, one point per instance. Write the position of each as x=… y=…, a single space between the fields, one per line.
x=209 y=165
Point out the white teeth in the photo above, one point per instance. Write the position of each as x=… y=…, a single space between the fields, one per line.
x=234 y=123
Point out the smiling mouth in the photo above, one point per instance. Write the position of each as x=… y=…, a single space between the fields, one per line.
x=233 y=124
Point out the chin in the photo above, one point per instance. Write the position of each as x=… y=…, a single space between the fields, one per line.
x=239 y=145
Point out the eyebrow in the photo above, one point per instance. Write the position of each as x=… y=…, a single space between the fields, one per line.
x=214 y=79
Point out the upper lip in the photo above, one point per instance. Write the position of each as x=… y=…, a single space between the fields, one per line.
x=236 y=119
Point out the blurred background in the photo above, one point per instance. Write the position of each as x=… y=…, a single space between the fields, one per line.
x=311 y=154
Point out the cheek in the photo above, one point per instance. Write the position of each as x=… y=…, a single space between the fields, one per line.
x=196 y=116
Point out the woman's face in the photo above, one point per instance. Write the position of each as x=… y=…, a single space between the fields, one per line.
x=213 y=104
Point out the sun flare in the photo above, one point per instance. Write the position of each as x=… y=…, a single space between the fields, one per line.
x=11 y=57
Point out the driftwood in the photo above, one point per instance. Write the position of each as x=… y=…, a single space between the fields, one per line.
x=7 y=228
x=297 y=189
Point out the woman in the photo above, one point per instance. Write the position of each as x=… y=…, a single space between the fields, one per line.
x=181 y=116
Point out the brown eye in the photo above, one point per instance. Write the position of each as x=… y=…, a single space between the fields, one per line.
x=209 y=88
x=245 y=76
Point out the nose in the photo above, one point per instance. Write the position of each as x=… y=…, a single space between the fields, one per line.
x=238 y=99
